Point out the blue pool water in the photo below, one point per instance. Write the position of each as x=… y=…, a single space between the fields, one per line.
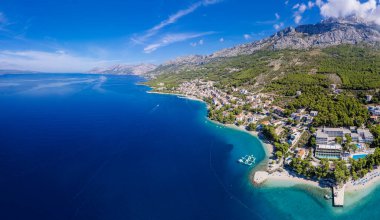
x=91 y=147
x=359 y=156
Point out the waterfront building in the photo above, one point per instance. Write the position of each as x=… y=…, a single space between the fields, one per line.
x=330 y=151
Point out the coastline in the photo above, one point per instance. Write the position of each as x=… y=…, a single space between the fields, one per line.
x=268 y=148
x=285 y=179
x=281 y=179
x=373 y=179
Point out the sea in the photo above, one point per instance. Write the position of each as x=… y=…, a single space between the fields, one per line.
x=76 y=146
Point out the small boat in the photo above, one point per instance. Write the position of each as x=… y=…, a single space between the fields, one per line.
x=327 y=197
x=248 y=160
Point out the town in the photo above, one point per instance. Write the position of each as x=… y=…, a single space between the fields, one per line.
x=294 y=139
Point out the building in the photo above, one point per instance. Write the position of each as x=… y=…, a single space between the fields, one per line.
x=355 y=137
x=336 y=132
x=278 y=110
x=365 y=136
x=301 y=153
x=240 y=117
x=313 y=113
x=328 y=135
x=329 y=151
x=321 y=137
x=374 y=118
x=374 y=110
x=368 y=98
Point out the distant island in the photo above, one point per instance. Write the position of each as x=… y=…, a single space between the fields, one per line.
x=311 y=93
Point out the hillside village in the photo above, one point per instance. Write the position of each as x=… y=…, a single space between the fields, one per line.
x=316 y=104
x=258 y=112
x=299 y=146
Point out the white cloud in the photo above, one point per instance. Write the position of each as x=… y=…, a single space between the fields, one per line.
x=173 y=38
x=173 y=19
x=319 y=3
x=310 y=4
x=221 y=40
x=59 y=61
x=277 y=16
x=278 y=26
x=247 y=36
x=193 y=44
x=368 y=10
x=201 y=42
x=286 y=2
x=297 y=19
x=302 y=8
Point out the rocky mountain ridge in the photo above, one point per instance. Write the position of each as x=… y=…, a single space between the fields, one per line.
x=123 y=69
x=329 y=32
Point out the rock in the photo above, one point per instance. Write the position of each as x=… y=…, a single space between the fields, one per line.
x=122 y=69
x=327 y=33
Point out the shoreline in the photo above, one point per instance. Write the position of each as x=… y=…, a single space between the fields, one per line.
x=268 y=148
x=285 y=178
x=370 y=180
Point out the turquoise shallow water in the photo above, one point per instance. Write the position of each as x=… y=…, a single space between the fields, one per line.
x=90 y=147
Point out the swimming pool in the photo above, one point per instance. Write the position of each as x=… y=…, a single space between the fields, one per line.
x=358 y=156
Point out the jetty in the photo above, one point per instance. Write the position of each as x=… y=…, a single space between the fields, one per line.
x=338 y=199
x=260 y=177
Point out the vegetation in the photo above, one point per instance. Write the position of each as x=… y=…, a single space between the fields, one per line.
x=335 y=111
x=251 y=127
x=269 y=133
x=358 y=67
x=360 y=167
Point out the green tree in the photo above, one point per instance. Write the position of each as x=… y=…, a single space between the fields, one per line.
x=339 y=140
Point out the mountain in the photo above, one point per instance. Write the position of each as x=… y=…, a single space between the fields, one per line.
x=122 y=69
x=5 y=71
x=329 y=32
x=347 y=51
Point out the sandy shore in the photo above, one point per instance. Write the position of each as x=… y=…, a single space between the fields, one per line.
x=178 y=95
x=286 y=179
x=368 y=181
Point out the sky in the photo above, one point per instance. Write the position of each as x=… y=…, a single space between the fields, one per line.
x=77 y=35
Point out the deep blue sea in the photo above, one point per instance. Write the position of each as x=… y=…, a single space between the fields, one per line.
x=100 y=147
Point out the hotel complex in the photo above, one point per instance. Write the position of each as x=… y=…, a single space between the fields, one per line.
x=326 y=140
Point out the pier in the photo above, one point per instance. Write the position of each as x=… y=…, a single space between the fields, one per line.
x=338 y=199
x=260 y=177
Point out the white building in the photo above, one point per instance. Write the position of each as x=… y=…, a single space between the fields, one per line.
x=374 y=110
x=313 y=113
x=368 y=98
x=321 y=137
x=330 y=151
x=336 y=132
x=365 y=136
